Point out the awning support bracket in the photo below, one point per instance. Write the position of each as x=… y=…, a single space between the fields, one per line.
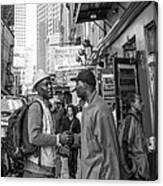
x=107 y=23
x=100 y=27
x=121 y=5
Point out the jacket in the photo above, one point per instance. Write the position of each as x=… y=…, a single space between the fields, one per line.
x=41 y=133
x=134 y=161
x=66 y=124
x=99 y=147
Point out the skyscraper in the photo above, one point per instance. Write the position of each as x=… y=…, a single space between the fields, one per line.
x=48 y=32
x=42 y=12
x=20 y=25
x=24 y=58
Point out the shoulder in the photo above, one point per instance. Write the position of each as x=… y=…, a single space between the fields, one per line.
x=102 y=107
x=35 y=106
x=76 y=120
x=132 y=116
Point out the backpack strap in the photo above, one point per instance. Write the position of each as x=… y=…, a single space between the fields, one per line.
x=39 y=148
x=71 y=125
x=134 y=115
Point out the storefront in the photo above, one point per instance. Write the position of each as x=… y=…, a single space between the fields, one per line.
x=133 y=40
x=130 y=50
x=133 y=44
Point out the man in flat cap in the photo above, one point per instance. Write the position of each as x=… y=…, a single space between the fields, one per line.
x=99 y=146
x=41 y=131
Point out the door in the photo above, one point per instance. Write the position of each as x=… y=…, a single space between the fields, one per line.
x=126 y=82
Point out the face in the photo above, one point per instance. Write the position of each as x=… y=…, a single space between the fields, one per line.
x=139 y=105
x=81 y=89
x=69 y=111
x=45 y=88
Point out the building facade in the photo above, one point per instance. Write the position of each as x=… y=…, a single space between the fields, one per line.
x=7 y=45
x=42 y=13
x=20 y=25
x=20 y=45
x=129 y=48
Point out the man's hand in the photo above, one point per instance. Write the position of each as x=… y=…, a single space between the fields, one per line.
x=66 y=138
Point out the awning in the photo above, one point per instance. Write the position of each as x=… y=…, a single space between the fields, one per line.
x=85 y=12
x=133 y=10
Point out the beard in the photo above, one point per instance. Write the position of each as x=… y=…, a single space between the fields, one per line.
x=81 y=94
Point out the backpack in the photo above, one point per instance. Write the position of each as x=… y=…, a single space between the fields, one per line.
x=17 y=141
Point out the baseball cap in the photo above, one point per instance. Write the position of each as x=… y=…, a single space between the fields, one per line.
x=86 y=76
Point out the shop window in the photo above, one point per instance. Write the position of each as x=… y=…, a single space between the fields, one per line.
x=150 y=36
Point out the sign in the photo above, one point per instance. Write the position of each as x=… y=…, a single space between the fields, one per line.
x=63 y=58
x=54 y=39
x=108 y=90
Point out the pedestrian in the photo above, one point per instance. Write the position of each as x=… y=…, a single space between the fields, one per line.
x=79 y=112
x=60 y=114
x=71 y=123
x=41 y=132
x=99 y=146
x=114 y=114
x=56 y=114
x=80 y=106
x=134 y=162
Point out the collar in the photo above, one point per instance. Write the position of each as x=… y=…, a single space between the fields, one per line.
x=46 y=102
x=135 y=114
x=92 y=96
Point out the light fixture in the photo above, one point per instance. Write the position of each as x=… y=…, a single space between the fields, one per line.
x=78 y=59
x=93 y=16
x=81 y=52
x=86 y=43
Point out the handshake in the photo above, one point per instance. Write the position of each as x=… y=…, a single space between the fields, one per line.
x=66 y=138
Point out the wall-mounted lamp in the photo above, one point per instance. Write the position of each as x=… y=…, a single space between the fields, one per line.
x=78 y=59
x=88 y=56
x=93 y=16
x=86 y=43
x=115 y=10
x=81 y=52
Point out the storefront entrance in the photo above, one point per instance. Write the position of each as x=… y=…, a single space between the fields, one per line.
x=126 y=82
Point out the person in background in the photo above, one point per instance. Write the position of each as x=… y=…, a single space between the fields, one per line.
x=71 y=124
x=41 y=132
x=79 y=112
x=99 y=145
x=60 y=114
x=134 y=162
x=114 y=114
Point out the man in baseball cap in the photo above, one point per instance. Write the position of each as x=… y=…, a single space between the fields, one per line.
x=85 y=80
x=86 y=76
x=98 y=134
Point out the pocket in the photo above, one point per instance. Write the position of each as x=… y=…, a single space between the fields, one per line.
x=92 y=141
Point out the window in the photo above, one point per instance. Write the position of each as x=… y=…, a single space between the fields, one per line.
x=150 y=36
x=129 y=48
